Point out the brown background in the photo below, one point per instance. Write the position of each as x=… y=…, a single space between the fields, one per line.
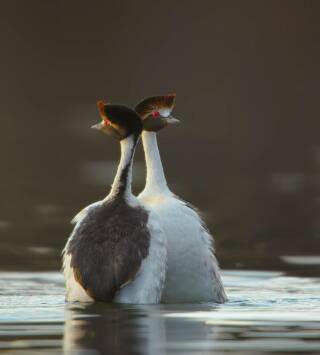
x=247 y=153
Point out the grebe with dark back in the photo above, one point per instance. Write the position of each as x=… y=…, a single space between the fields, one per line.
x=117 y=250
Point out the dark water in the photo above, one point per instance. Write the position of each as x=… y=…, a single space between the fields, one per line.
x=247 y=151
x=268 y=312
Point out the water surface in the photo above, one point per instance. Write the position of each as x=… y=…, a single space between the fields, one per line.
x=268 y=312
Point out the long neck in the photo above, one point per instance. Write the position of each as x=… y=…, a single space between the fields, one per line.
x=121 y=185
x=156 y=181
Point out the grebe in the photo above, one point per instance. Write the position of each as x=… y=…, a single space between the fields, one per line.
x=192 y=272
x=117 y=250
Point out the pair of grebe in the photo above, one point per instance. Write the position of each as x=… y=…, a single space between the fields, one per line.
x=147 y=249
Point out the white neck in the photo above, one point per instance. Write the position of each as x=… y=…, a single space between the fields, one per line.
x=156 y=181
x=122 y=182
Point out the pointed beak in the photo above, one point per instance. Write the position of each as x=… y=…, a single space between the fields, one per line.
x=97 y=126
x=172 y=120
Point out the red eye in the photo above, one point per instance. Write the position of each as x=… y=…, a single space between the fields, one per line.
x=155 y=114
x=106 y=122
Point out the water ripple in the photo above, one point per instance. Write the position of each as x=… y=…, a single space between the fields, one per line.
x=268 y=312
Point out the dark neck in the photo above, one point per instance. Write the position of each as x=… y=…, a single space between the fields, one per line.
x=121 y=185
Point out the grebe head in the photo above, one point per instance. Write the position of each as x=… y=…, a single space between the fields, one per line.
x=155 y=112
x=118 y=121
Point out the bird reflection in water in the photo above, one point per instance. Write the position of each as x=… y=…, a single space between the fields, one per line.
x=111 y=329
x=137 y=329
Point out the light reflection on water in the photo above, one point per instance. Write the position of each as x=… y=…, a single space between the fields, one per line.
x=268 y=312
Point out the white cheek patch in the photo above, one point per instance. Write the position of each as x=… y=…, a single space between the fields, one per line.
x=164 y=112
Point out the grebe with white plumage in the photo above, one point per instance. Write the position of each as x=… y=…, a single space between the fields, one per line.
x=193 y=273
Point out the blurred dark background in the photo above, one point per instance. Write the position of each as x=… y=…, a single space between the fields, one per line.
x=247 y=153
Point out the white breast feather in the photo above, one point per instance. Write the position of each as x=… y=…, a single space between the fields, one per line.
x=193 y=272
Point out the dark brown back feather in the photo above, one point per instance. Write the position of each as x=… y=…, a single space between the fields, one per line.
x=108 y=246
